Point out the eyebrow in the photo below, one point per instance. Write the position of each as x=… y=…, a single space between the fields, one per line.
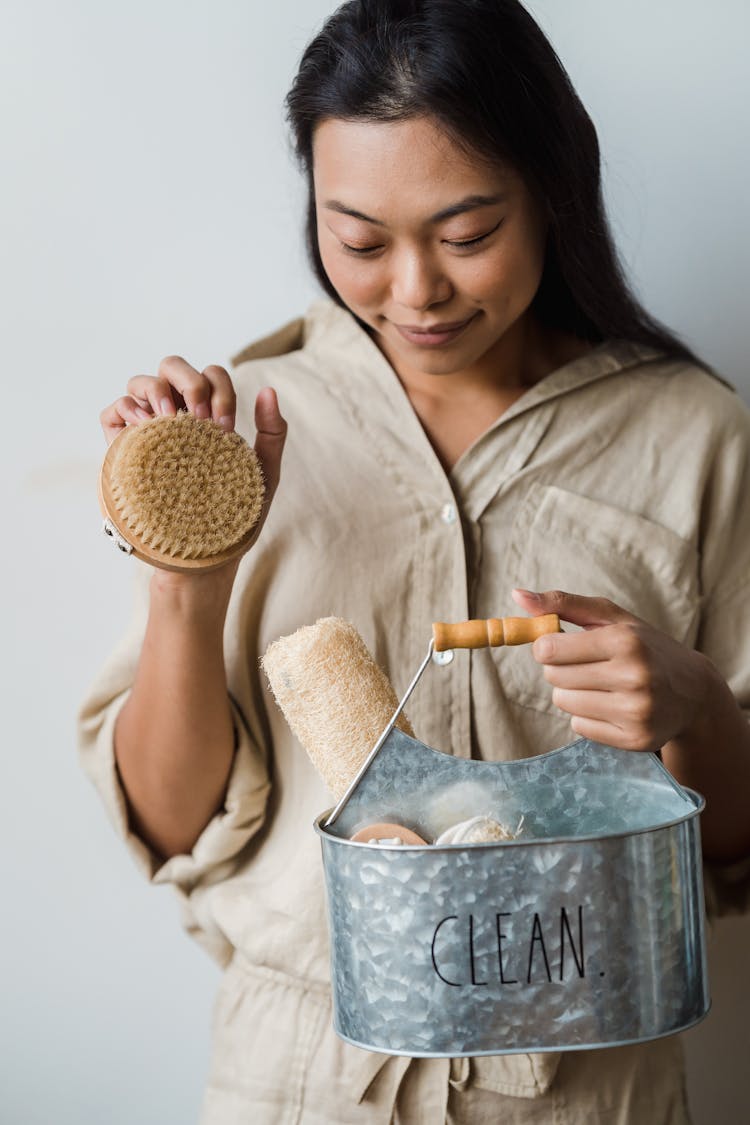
x=468 y=203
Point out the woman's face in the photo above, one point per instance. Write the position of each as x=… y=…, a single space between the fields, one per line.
x=438 y=252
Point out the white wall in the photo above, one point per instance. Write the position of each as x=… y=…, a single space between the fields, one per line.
x=150 y=206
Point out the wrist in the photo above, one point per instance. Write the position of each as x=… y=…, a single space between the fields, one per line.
x=196 y=599
x=712 y=706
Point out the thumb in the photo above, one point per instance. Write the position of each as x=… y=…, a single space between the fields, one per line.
x=270 y=437
x=575 y=608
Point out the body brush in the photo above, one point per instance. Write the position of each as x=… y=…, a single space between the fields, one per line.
x=181 y=493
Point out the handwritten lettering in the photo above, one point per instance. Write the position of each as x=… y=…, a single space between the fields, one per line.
x=478 y=950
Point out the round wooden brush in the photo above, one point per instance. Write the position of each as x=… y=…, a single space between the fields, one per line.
x=181 y=493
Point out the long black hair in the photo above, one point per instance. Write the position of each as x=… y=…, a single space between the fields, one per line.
x=485 y=71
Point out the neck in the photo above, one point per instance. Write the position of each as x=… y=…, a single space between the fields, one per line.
x=524 y=355
x=458 y=407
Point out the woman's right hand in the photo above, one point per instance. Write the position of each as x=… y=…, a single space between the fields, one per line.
x=206 y=394
x=177 y=386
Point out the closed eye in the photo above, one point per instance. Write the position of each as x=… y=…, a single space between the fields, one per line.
x=467 y=243
x=462 y=244
x=361 y=250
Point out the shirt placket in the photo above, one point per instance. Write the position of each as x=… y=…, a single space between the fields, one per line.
x=440 y=709
x=445 y=597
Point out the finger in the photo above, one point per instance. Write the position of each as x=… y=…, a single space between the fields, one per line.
x=223 y=398
x=601 y=676
x=124 y=412
x=628 y=714
x=578 y=648
x=617 y=674
x=575 y=608
x=155 y=391
x=269 y=441
x=604 y=706
x=194 y=387
x=607 y=734
x=624 y=645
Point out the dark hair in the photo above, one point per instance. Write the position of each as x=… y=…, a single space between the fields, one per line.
x=486 y=72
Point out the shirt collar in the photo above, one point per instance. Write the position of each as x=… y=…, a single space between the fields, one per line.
x=331 y=329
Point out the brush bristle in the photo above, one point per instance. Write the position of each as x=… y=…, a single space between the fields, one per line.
x=333 y=695
x=185 y=487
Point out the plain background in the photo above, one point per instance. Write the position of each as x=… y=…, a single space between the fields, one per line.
x=150 y=206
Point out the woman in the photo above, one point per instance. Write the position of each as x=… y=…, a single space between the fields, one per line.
x=480 y=403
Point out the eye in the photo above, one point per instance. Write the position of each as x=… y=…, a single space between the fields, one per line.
x=360 y=251
x=468 y=243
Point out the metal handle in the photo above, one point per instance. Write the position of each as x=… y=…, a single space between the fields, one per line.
x=464 y=634
x=493 y=632
x=373 y=753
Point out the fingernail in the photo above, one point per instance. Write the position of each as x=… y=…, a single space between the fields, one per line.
x=167 y=406
x=227 y=422
x=528 y=593
x=202 y=410
x=142 y=413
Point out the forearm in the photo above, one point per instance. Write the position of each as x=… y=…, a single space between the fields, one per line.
x=713 y=757
x=174 y=739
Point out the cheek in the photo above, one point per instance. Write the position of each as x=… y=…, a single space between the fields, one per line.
x=530 y=253
x=510 y=277
x=357 y=283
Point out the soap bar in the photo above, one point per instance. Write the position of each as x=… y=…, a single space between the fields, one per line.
x=386 y=834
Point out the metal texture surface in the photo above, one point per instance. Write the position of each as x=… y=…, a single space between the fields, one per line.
x=586 y=931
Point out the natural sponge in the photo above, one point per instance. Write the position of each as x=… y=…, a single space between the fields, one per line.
x=184 y=487
x=478 y=830
x=333 y=695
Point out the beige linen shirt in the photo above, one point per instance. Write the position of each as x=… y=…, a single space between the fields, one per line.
x=622 y=474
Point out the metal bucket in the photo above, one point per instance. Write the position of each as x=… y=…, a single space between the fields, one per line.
x=587 y=931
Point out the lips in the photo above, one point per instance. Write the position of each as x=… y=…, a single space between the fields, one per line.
x=434 y=334
x=434 y=329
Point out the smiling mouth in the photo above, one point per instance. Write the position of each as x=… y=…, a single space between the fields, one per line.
x=434 y=333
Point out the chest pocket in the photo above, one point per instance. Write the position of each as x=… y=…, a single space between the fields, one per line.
x=564 y=541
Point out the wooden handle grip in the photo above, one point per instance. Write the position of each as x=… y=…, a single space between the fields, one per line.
x=493 y=632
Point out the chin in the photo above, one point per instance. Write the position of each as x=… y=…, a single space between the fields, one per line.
x=441 y=362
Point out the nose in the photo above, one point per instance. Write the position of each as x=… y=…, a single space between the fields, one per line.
x=417 y=281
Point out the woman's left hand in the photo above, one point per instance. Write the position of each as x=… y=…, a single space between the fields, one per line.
x=625 y=683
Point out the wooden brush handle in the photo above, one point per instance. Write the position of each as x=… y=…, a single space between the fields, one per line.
x=493 y=632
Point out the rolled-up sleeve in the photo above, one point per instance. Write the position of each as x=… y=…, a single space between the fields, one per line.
x=215 y=852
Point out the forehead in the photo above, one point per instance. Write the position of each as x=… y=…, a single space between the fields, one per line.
x=379 y=165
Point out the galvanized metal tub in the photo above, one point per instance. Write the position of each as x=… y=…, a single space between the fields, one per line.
x=587 y=931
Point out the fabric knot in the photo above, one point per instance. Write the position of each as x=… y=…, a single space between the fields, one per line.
x=459 y=1073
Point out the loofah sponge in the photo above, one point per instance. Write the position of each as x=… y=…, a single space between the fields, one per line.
x=333 y=695
x=478 y=830
x=182 y=487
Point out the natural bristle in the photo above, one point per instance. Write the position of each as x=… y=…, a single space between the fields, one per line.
x=185 y=487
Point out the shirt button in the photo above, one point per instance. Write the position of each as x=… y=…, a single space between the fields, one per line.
x=448 y=513
x=443 y=658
